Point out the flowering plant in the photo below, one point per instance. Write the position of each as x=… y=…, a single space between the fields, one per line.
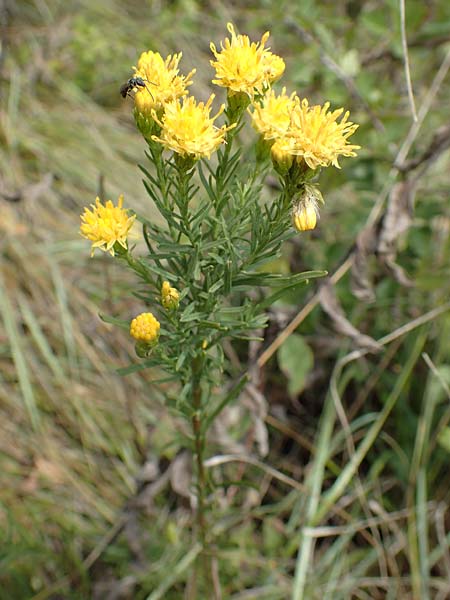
x=202 y=270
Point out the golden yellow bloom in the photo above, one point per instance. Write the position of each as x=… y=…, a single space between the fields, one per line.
x=188 y=129
x=272 y=116
x=145 y=328
x=315 y=135
x=106 y=224
x=245 y=67
x=305 y=211
x=275 y=66
x=163 y=83
x=170 y=296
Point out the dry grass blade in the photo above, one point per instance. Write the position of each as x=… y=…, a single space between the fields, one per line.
x=215 y=461
x=18 y=355
x=319 y=506
x=436 y=373
x=406 y=59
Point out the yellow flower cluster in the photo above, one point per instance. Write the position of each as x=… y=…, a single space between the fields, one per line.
x=106 y=224
x=166 y=114
x=145 y=328
x=296 y=131
x=301 y=139
x=311 y=134
x=185 y=126
x=245 y=67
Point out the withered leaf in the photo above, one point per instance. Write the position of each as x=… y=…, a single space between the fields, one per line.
x=396 y=222
x=181 y=475
x=331 y=306
x=365 y=247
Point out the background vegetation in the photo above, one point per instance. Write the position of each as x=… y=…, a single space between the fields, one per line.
x=94 y=501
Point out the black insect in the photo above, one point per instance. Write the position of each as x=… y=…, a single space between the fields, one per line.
x=130 y=85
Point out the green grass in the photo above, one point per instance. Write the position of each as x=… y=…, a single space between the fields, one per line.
x=352 y=500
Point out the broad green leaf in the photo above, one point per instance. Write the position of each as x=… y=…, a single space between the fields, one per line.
x=295 y=358
x=350 y=63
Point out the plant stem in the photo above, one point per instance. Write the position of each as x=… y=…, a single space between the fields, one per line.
x=199 y=447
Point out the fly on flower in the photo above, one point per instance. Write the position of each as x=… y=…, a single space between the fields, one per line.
x=132 y=84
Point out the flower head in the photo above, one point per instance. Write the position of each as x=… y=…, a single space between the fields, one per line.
x=170 y=296
x=188 y=129
x=145 y=328
x=106 y=224
x=163 y=83
x=272 y=116
x=316 y=136
x=245 y=67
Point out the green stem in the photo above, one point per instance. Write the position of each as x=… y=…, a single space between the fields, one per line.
x=184 y=174
x=274 y=226
x=222 y=169
x=201 y=480
x=163 y=182
x=199 y=447
x=137 y=266
x=160 y=165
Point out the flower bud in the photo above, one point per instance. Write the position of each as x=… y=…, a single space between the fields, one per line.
x=237 y=104
x=170 y=296
x=281 y=158
x=146 y=123
x=306 y=209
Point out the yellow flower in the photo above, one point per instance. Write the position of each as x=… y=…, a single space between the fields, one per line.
x=106 y=224
x=163 y=83
x=316 y=137
x=145 y=328
x=188 y=129
x=245 y=67
x=272 y=116
x=305 y=211
x=170 y=296
x=275 y=66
